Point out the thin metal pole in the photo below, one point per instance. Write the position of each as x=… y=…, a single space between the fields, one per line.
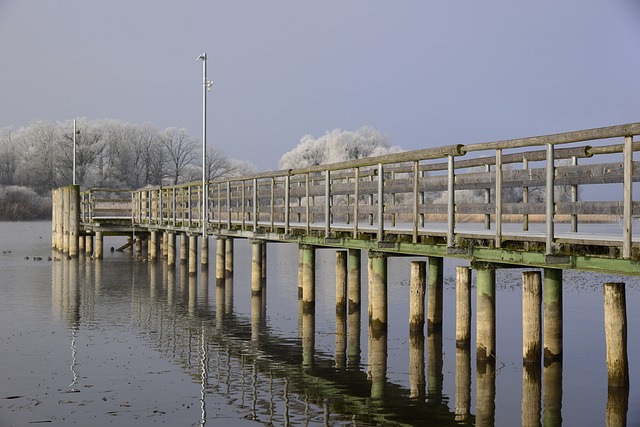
x=627 y=219
x=74 y=151
x=451 y=201
x=550 y=198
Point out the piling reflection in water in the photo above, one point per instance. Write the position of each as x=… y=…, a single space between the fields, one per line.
x=286 y=381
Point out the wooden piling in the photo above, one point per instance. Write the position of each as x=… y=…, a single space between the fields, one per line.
x=308 y=278
x=485 y=390
x=378 y=291
x=300 y=271
x=463 y=306
x=417 y=379
x=531 y=316
x=74 y=219
x=552 y=314
x=184 y=247
x=615 y=328
x=256 y=267
x=435 y=363
x=193 y=254
x=153 y=246
x=341 y=339
x=552 y=393
x=341 y=281
x=531 y=394
x=66 y=194
x=354 y=280
x=228 y=257
x=486 y=318
x=435 y=290
x=99 y=245
x=378 y=344
x=416 y=297
x=220 y=261
x=204 y=252
x=308 y=338
x=88 y=244
x=463 y=384
x=171 y=250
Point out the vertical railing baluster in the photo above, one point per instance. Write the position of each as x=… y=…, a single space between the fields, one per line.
x=228 y=205
x=627 y=219
x=498 y=197
x=327 y=203
x=550 y=199
x=451 y=201
x=380 y=202
x=574 y=199
x=487 y=201
x=356 y=196
x=287 y=187
x=255 y=204
x=307 y=204
x=525 y=198
x=416 y=186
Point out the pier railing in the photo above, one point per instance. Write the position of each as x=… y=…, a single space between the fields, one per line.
x=415 y=196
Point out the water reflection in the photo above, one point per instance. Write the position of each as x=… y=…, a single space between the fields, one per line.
x=284 y=380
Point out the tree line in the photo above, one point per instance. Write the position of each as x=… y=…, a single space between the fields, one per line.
x=109 y=153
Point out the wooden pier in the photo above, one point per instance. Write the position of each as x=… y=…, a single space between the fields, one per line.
x=406 y=204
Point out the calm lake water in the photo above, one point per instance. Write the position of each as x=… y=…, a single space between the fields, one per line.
x=125 y=342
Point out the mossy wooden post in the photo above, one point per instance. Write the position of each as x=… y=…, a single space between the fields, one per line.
x=416 y=297
x=531 y=317
x=341 y=339
x=308 y=337
x=193 y=254
x=354 y=280
x=99 y=245
x=615 y=329
x=74 y=219
x=435 y=284
x=204 y=252
x=256 y=267
x=220 y=261
x=552 y=314
x=153 y=246
x=435 y=363
x=228 y=257
x=300 y=271
x=463 y=306
x=552 y=393
x=171 y=255
x=378 y=291
x=264 y=264
x=341 y=282
x=486 y=318
x=308 y=278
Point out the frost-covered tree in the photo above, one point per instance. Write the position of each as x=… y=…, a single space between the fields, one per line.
x=337 y=146
x=181 y=153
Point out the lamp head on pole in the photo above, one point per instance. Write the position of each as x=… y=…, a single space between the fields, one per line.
x=203 y=57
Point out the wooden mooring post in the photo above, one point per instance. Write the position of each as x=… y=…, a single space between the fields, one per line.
x=531 y=317
x=463 y=306
x=615 y=328
x=65 y=221
x=486 y=318
x=416 y=297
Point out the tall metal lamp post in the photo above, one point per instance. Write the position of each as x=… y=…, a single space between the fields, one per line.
x=206 y=86
x=75 y=132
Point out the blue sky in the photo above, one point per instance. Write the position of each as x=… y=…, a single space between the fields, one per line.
x=427 y=73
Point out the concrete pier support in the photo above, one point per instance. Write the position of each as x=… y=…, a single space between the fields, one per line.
x=435 y=291
x=256 y=267
x=220 y=252
x=354 y=280
x=463 y=306
x=531 y=317
x=99 y=245
x=552 y=314
x=171 y=249
x=308 y=278
x=228 y=257
x=486 y=318
x=416 y=297
x=615 y=329
x=204 y=252
x=193 y=254
x=378 y=291
x=341 y=282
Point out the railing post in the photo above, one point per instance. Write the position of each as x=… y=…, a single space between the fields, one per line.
x=498 y=197
x=416 y=185
x=255 y=204
x=574 y=199
x=487 y=200
x=451 y=201
x=287 y=188
x=380 y=202
x=228 y=205
x=327 y=203
x=356 y=196
x=525 y=198
x=550 y=199
x=243 y=212
x=307 y=204
x=628 y=197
